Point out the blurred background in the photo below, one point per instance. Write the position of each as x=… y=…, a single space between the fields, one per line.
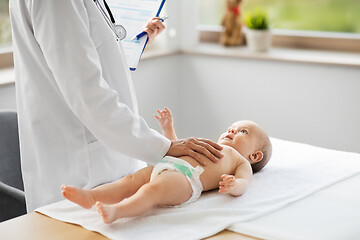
x=313 y=15
x=314 y=101
x=5 y=28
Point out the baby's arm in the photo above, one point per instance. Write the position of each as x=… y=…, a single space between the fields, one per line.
x=236 y=185
x=166 y=123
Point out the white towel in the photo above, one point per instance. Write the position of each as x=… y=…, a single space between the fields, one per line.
x=294 y=172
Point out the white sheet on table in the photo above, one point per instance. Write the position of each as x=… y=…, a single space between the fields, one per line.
x=294 y=172
x=330 y=214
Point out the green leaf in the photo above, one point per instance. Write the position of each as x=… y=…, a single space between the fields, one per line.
x=257 y=19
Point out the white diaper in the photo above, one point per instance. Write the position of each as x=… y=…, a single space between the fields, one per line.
x=192 y=174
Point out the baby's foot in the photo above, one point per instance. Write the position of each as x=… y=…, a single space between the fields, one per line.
x=107 y=212
x=78 y=196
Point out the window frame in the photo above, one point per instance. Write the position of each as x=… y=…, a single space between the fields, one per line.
x=347 y=42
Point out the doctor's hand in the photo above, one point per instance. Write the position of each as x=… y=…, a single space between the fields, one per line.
x=196 y=148
x=153 y=28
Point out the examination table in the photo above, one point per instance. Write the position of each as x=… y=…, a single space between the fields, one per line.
x=40 y=227
x=327 y=210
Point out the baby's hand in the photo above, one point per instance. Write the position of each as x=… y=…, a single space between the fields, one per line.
x=165 y=119
x=227 y=183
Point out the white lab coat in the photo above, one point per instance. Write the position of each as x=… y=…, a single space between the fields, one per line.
x=78 y=116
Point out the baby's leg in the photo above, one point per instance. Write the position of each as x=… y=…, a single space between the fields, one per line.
x=108 y=193
x=169 y=188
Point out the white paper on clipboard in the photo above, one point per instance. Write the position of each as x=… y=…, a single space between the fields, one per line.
x=133 y=15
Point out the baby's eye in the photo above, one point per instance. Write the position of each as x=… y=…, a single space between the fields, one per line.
x=244 y=131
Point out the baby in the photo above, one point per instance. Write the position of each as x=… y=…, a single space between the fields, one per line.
x=177 y=181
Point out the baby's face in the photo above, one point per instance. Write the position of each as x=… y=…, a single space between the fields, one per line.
x=243 y=136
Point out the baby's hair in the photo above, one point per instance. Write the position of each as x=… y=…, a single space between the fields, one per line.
x=266 y=149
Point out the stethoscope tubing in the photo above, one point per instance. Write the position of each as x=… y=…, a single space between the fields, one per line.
x=109 y=20
x=109 y=11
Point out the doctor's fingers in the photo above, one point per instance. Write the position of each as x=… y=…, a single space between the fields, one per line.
x=154 y=28
x=204 y=148
x=157 y=23
x=214 y=145
x=151 y=33
x=189 y=147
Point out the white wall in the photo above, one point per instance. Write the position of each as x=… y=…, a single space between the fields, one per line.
x=156 y=83
x=315 y=104
x=309 y=103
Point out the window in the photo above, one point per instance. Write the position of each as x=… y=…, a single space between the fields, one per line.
x=6 y=59
x=319 y=19
x=5 y=27
x=312 y=15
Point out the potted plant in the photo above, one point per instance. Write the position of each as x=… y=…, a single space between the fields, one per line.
x=258 y=35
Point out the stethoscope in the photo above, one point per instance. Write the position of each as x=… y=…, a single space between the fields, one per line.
x=119 y=30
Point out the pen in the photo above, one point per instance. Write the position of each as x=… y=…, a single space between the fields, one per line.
x=144 y=33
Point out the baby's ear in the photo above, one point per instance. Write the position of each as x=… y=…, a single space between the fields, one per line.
x=256 y=156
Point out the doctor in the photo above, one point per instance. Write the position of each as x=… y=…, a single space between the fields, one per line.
x=78 y=116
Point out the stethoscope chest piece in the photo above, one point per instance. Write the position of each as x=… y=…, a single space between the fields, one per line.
x=121 y=31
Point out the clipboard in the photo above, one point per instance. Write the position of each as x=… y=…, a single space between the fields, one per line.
x=133 y=15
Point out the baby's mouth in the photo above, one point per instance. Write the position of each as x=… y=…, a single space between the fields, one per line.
x=228 y=137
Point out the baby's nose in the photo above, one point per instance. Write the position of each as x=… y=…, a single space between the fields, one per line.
x=231 y=130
